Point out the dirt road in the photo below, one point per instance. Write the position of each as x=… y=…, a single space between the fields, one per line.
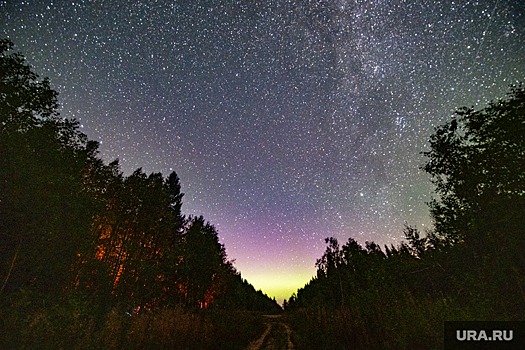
x=277 y=335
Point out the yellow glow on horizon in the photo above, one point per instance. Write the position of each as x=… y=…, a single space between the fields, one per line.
x=281 y=286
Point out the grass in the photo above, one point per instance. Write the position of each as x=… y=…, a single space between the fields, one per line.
x=64 y=327
x=405 y=324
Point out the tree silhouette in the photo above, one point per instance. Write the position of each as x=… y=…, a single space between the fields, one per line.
x=73 y=227
x=44 y=207
x=477 y=162
x=471 y=266
x=202 y=253
x=25 y=101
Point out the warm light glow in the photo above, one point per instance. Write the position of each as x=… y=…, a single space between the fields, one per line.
x=283 y=132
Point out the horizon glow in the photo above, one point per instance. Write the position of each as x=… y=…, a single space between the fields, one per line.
x=287 y=122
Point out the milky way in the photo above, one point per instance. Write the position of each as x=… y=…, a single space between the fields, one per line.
x=287 y=121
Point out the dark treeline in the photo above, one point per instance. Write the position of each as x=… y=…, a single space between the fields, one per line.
x=90 y=258
x=471 y=266
x=75 y=231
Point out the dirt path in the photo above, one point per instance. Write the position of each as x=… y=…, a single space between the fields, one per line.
x=277 y=335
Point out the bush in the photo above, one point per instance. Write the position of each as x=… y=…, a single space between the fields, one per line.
x=71 y=326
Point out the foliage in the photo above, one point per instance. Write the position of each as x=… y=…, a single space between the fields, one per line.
x=26 y=102
x=477 y=163
x=91 y=258
x=42 y=165
x=69 y=326
x=471 y=267
x=78 y=238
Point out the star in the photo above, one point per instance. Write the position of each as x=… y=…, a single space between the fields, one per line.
x=287 y=122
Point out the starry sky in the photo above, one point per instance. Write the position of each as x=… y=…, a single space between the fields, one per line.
x=287 y=121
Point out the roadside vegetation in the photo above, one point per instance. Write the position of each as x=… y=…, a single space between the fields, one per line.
x=69 y=327
x=91 y=258
x=471 y=266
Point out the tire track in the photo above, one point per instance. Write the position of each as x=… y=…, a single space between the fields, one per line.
x=257 y=344
x=277 y=336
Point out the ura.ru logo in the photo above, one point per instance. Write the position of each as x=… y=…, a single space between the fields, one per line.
x=482 y=335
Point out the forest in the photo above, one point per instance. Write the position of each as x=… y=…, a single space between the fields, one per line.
x=470 y=266
x=94 y=259
x=85 y=249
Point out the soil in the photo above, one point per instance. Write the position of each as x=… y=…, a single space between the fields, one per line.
x=277 y=335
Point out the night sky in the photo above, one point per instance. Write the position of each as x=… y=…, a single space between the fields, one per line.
x=287 y=121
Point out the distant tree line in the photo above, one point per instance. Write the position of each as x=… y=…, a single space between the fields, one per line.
x=74 y=227
x=78 y=237
x=471 y=266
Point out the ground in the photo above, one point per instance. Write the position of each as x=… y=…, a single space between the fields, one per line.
x=277 y=335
